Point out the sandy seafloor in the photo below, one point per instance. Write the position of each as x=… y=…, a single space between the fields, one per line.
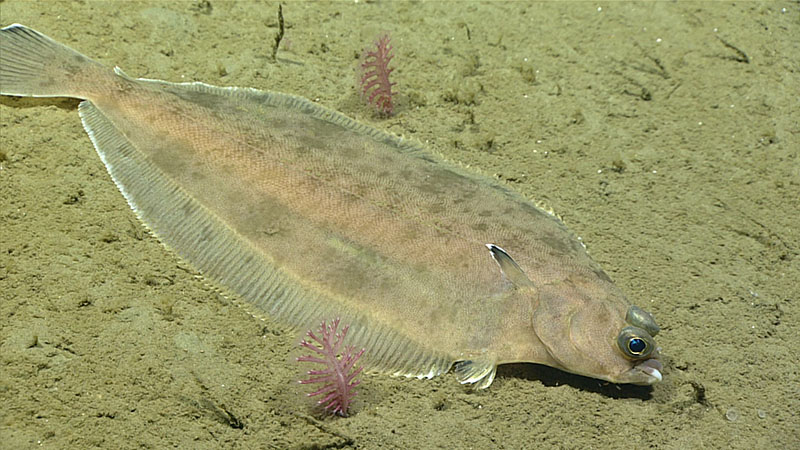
x=672 y=154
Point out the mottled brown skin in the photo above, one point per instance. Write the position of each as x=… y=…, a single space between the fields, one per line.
x=364 y=225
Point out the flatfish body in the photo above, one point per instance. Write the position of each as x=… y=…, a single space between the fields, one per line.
x=305 y=214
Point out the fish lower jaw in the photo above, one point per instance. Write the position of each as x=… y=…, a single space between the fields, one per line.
x=652 y=368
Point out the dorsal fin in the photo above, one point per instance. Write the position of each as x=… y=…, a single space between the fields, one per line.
x=509 y=267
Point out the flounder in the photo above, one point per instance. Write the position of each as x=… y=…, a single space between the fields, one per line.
x=305 y=214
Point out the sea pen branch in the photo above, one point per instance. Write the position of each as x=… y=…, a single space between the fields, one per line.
x=338 y=375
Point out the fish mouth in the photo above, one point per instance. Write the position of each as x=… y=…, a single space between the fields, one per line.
x=646 y=372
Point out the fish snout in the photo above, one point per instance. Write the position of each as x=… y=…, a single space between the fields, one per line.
x=651 y=369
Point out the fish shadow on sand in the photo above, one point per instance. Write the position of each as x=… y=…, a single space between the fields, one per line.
x=65 y=103
x=549 y=376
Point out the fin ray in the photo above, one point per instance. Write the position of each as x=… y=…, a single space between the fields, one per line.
x=33 y=65
x=479 y=371
x=509 y=267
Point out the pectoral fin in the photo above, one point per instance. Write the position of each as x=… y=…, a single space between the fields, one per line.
x=480 y=371
x=509 y=267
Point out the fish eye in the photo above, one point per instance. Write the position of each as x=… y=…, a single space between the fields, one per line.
x=640 y=318
x=635 y=343
x=636 y=346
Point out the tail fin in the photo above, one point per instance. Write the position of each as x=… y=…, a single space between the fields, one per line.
x=33 y=65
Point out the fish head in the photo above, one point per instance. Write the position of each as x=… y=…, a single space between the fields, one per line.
x=588 y=328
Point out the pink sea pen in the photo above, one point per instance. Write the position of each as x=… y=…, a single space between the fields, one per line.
x=338 y=376
x=376 y=89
